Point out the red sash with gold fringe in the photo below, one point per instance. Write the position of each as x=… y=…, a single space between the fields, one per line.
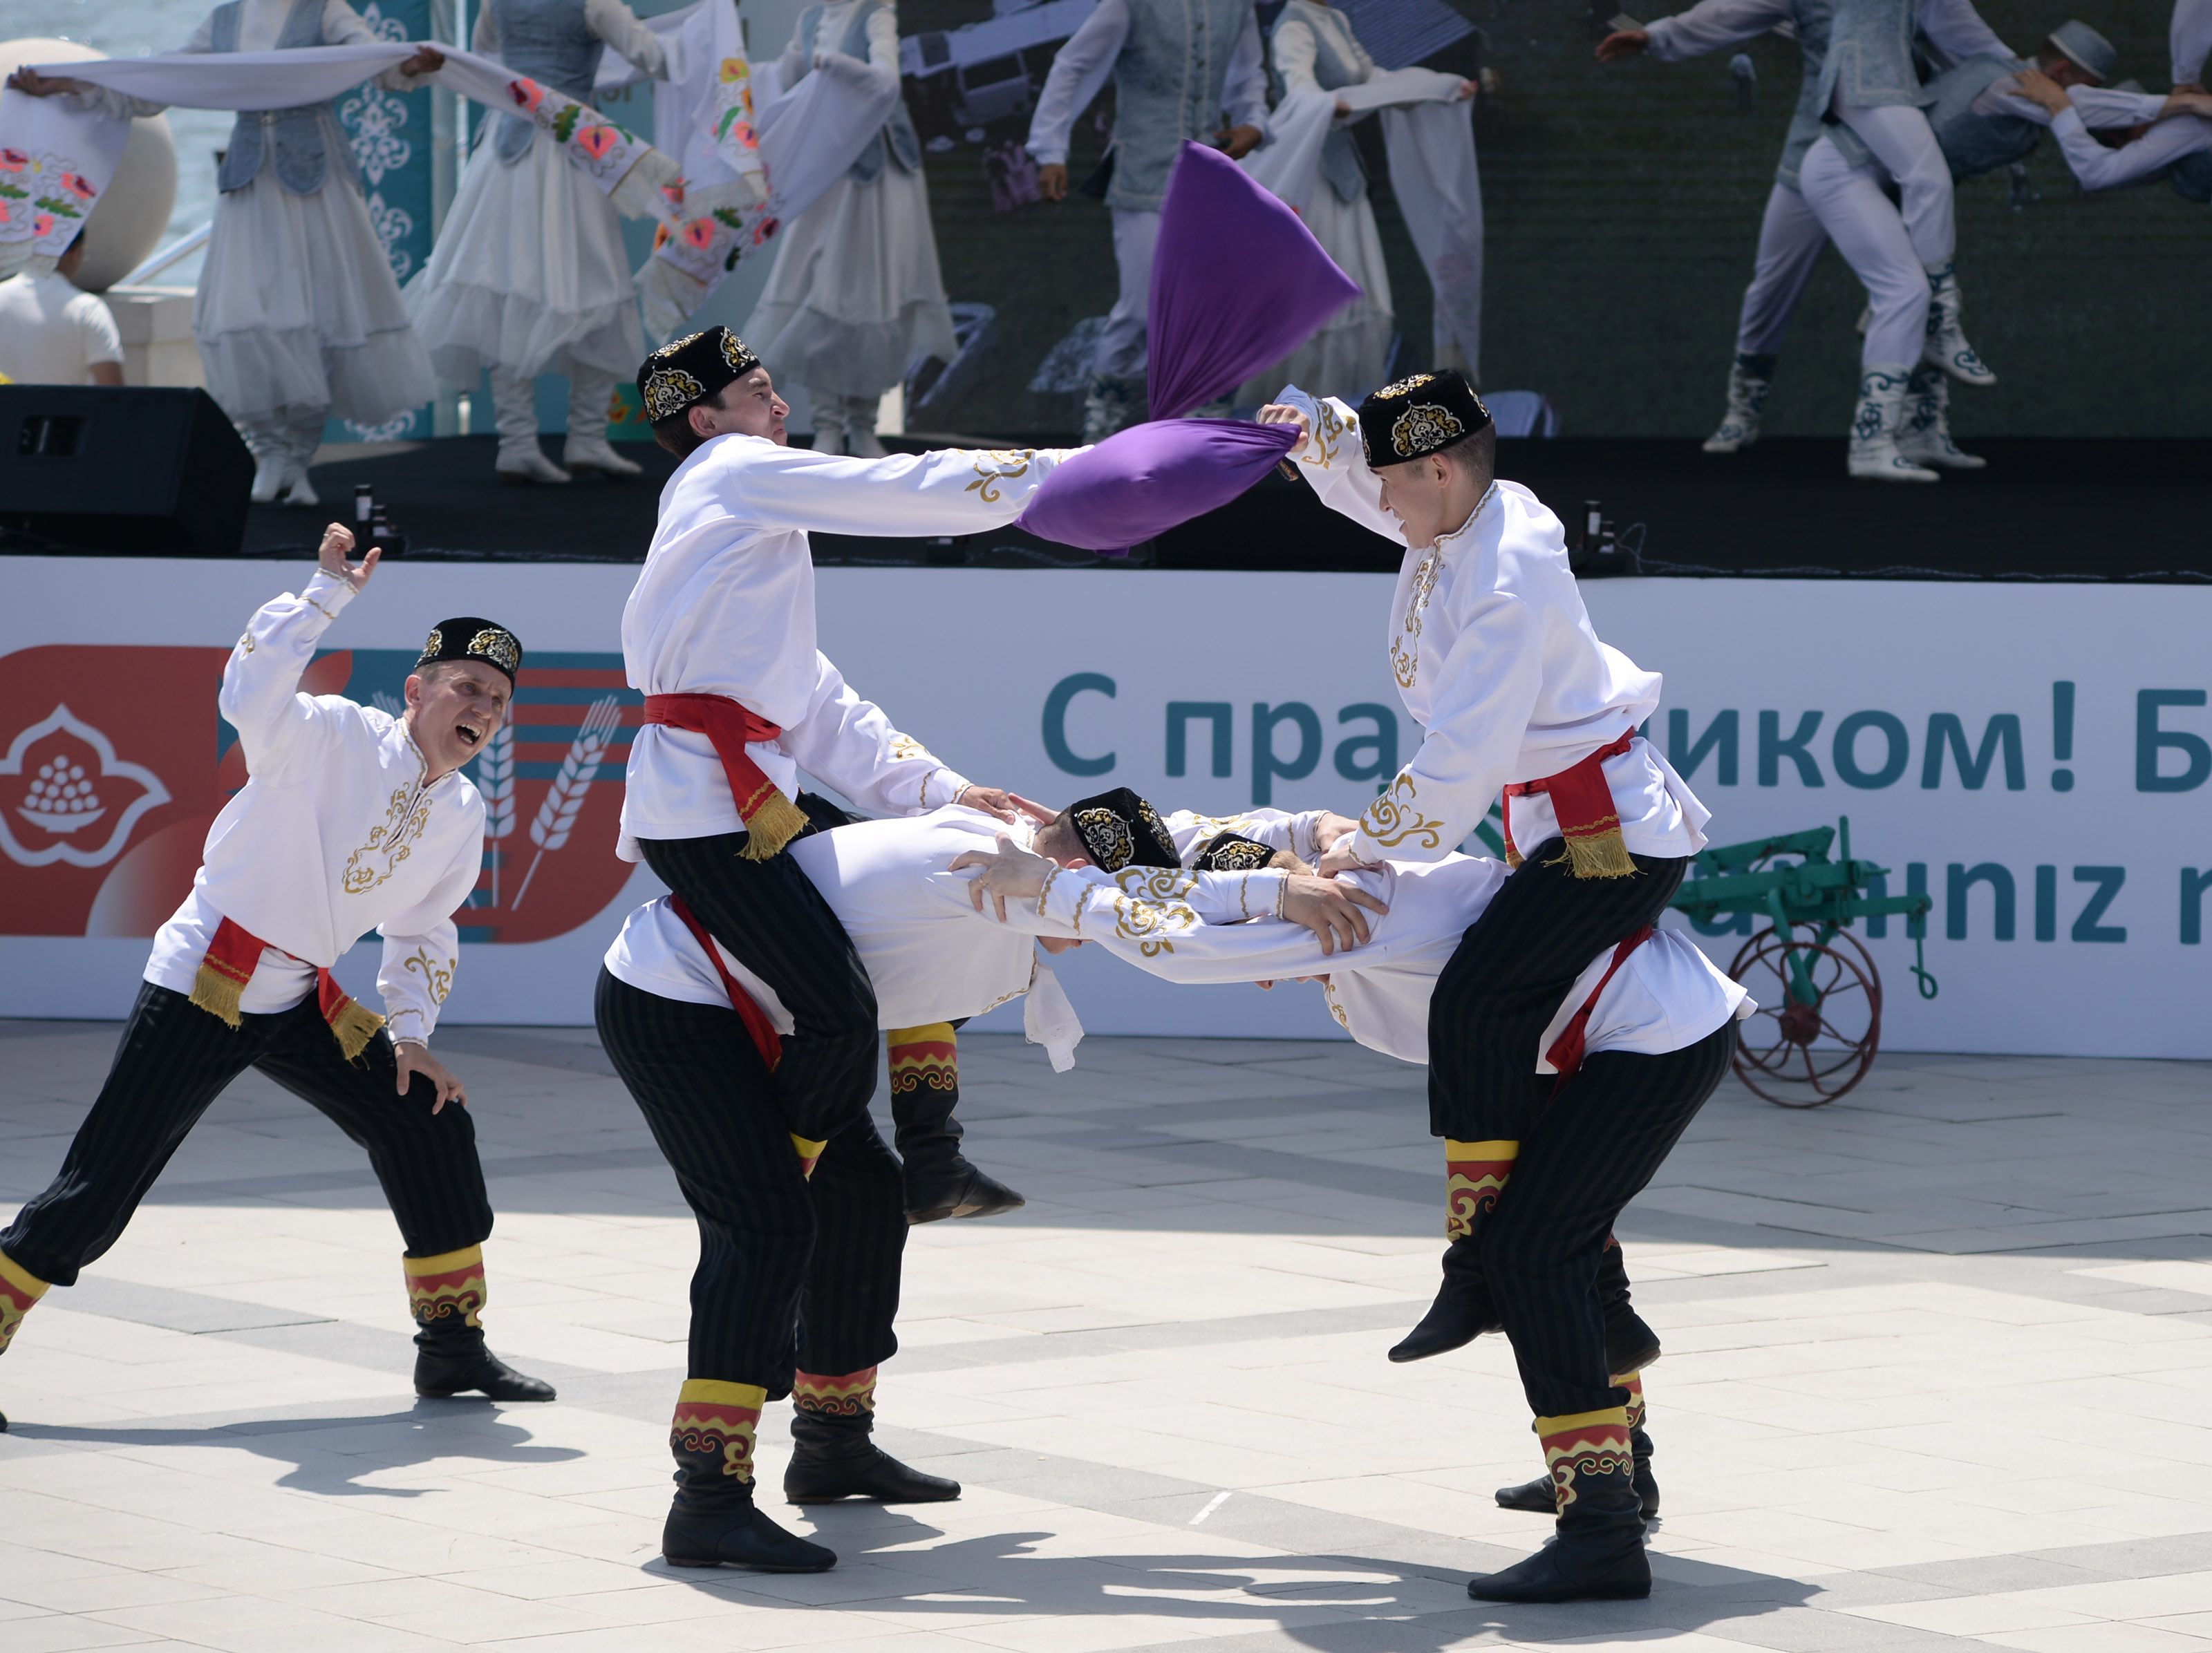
x=772 y=820
x=229 y=963
x=1583 y=801
x=765 y=1039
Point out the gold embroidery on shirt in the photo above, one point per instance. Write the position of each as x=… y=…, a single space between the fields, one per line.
x=1327 y=437
x=1152 y=905
x=1406 y=652
x=1011 y=462
x=905 y=746
x=245 y=643
x=318 y=606
x=1392 y=819
x=406 y=817
x=440 y=982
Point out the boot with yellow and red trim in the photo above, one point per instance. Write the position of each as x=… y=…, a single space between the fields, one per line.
x=1541 y=1497
x=1598 y=1554
x=712 y=1521
x=447 y=1293
x=940 y=1182
x=833 y=1454
x=19 y=1289
x=1475 y=1176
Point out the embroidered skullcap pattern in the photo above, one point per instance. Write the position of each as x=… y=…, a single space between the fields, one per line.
x=472 y=638
x=1233 y=852
x=691 y=370
x=1394 y=430
x=1119 y=829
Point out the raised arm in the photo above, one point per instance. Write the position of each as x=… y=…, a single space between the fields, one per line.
x=1710 y=26
x=1330 y=458
x=278 y=726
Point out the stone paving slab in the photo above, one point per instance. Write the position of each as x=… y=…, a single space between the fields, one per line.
x=1933 y=1380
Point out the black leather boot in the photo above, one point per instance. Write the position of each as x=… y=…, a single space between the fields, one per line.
x=834 y=1455
x=1647 y=1489
x=1598 y=1555
x=1462 y=1313
x=940 y=1182
x=714 y=1524
x=452 y=1360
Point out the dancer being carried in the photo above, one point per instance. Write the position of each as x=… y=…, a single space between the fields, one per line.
x=718 y=634
x=2178 y=146
x=530 y=275
x=353 y=821
x=298 y=315
x=1629 y=1056
x=855 y=296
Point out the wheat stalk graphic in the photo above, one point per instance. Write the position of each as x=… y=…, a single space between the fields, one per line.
x=495 y=782
x=556 y=816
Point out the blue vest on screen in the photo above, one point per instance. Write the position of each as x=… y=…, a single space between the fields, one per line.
x=1340 y=154
x=1167 y=87
x=897 y=134
x=549 y=41
x=1871 y=55
x=302 y=139
x=2191 y=177
x=1813 y=18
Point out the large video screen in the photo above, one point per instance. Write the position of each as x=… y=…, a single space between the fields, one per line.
x=1623 y=204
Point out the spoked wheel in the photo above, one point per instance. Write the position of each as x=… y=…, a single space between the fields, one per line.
x=1804 y=1056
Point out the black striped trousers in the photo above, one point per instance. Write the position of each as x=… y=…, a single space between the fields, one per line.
x=774 y=921
x=776 y=1248
x=1583 y=1158
x=1513 y=968
x=175 y=1059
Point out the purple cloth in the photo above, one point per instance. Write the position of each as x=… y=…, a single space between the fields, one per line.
x=1238 y=282
x=1142 y=481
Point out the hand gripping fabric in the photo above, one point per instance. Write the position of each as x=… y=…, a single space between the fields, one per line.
x=1238 y=282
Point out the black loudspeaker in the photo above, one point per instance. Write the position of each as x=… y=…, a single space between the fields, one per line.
x=120 y=470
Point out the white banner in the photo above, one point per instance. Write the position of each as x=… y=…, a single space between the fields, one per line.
x=2037 y=759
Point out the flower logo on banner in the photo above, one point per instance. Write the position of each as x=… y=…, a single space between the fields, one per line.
x=527 y=93
x=596 y=141
x=71 y=773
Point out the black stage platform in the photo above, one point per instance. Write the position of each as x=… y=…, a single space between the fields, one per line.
x=2045 y=510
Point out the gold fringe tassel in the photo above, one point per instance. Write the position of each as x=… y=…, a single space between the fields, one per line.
x=1601 y=854
x=776 y=823
x=355 y=1026
x=217 y=993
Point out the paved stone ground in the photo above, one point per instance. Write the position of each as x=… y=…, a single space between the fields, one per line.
x=1934 y=1379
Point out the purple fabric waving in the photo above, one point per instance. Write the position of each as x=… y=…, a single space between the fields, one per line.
x=1238 y=282
x=1150 y=477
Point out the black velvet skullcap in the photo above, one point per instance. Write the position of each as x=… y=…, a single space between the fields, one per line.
x=1232 y=852
x=1118 y=829
x=471 y=638
x=691 y=369
x=1417 y=416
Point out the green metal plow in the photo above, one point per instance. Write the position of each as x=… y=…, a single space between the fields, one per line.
x=1819 y=997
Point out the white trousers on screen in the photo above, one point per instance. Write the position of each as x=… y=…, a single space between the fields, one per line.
x=1902 y=143
x=1869 y=231
x=1791 y=238
x=1122 y=345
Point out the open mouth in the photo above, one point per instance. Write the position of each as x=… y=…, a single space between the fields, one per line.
x=470 y=734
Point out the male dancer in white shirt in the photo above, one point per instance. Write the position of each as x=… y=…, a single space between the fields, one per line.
x=1182 y=70
x=1496 y=659
x=352 y=820
x=2178 y=146
x=719 y=634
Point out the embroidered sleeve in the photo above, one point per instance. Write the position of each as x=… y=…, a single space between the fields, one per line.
x=1333 y=465
x=260 y=697
x=421 y=947
x=948 y=491
x=850 y=744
